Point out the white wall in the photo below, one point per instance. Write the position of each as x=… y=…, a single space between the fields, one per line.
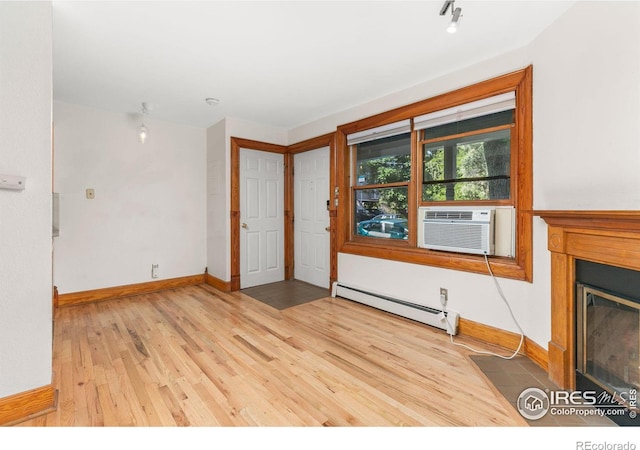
x=219 y=159
x=217 y=202
x=587 y=109
x=150 y=199
x=586 y=150
x=503 y=64
x=250 y=130
x=25 y=217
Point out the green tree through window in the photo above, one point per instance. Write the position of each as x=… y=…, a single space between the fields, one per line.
x=386 y=170
x=382 y=176
x=466 y=169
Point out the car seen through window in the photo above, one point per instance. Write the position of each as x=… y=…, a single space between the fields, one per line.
x=390 y=226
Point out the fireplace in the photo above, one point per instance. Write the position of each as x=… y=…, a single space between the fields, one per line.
x=608 y=335
x=607 y=340
x=607 y=332
x=595 y=294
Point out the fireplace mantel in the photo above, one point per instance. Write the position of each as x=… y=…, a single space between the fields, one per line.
x=605 y=237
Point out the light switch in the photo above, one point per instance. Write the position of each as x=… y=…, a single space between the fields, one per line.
x=91 y=194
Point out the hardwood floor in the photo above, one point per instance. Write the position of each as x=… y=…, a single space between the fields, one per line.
x=195 y=356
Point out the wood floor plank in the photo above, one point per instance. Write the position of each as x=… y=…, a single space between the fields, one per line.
x=173 y=407
x=196 y=356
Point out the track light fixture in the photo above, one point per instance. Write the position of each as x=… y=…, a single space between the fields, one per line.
x=143 y=132
x=453 y=26
x=455 y=15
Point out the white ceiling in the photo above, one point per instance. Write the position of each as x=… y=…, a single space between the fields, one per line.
x=279 y=63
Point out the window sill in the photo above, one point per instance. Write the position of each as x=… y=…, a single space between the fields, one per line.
x=501 y=266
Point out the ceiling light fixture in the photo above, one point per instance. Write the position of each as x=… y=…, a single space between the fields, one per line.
x=211 y=101
x=455 y=15
x=143 y=132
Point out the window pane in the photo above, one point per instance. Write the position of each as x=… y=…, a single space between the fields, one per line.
x=471 y=168
x=464 y=126
x=381 y=213
x=465 y=190
x=382 y=161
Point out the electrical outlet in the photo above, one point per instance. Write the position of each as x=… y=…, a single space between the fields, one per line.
x=444 y=296
x=90 y=193
x=154 y=270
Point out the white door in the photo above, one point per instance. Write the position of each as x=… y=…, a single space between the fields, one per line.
x=261 y=217
x=311 y=217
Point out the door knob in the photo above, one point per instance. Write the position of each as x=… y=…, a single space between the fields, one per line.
x=327 y=229
x=244 y=225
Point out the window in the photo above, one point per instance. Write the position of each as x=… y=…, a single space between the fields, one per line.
x=382 y=173
x=468 y=167
x=470 y=147
x=475 y=168
x=466 y=151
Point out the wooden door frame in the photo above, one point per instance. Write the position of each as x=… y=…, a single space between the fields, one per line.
x=326 y=140
x=236 y=145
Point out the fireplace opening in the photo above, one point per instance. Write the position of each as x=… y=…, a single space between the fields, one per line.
x=608 y=338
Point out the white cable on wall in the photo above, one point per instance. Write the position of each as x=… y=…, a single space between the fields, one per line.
x=502 y=296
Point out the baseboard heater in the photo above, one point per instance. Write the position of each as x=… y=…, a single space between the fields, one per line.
x=423 y=314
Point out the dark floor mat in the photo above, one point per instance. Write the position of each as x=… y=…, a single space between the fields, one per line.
x=285 y=294
x=512 y=376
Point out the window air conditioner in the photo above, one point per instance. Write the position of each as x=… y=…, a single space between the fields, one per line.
x=457 y=230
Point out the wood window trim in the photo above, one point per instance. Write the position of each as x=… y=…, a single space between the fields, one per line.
x=520 y=267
